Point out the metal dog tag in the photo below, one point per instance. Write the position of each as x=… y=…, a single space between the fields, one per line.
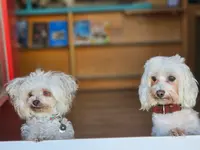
x=62 y=127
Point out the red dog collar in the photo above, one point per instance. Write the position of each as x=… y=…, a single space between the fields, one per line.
x=165 y=109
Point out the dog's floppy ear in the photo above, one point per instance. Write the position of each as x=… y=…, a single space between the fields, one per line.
x=13 y=88
x=188 y=89
x=144 y=88
x=65 y=91
x=68 y=82
x=15 y=92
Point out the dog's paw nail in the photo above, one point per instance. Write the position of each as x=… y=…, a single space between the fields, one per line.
x=177 y=132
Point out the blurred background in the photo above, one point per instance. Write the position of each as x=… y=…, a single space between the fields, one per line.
x=104 y=44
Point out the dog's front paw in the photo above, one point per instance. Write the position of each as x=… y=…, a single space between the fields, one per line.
x=37 y=140
x=177 y=132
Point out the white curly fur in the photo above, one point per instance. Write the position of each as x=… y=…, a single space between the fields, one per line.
x=182 y=91
x=38 y=129
x=25 y=90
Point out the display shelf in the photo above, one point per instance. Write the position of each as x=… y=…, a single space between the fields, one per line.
x=44 y=48
x=84 y=9
x=155 y=11
x=144 y=43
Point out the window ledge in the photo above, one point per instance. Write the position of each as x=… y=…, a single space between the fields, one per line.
x=138 y=143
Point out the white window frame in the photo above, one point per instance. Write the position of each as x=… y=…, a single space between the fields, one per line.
x=137 y=143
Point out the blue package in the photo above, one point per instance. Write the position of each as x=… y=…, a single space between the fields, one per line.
x=22 y=33
x=58 y=33
x=82 y=32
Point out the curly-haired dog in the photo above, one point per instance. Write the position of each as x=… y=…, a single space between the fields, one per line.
x=42 y=99
x=170 y=89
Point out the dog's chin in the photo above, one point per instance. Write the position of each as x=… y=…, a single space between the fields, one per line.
x=164 y=101
x=40 y=109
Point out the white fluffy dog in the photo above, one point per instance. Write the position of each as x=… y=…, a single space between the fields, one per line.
x=42 y=99
x=170 y=89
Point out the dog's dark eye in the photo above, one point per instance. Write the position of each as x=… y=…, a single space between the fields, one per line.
x=46 y=93
x=153 y=78
x=171 y=78
x=30 y=94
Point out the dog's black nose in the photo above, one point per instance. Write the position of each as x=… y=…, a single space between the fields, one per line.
x=36 y=102
x=160 y=93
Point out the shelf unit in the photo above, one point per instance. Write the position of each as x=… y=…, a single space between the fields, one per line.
x=79 y=56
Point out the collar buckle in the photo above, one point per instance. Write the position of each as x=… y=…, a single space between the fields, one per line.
x=163 y=109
